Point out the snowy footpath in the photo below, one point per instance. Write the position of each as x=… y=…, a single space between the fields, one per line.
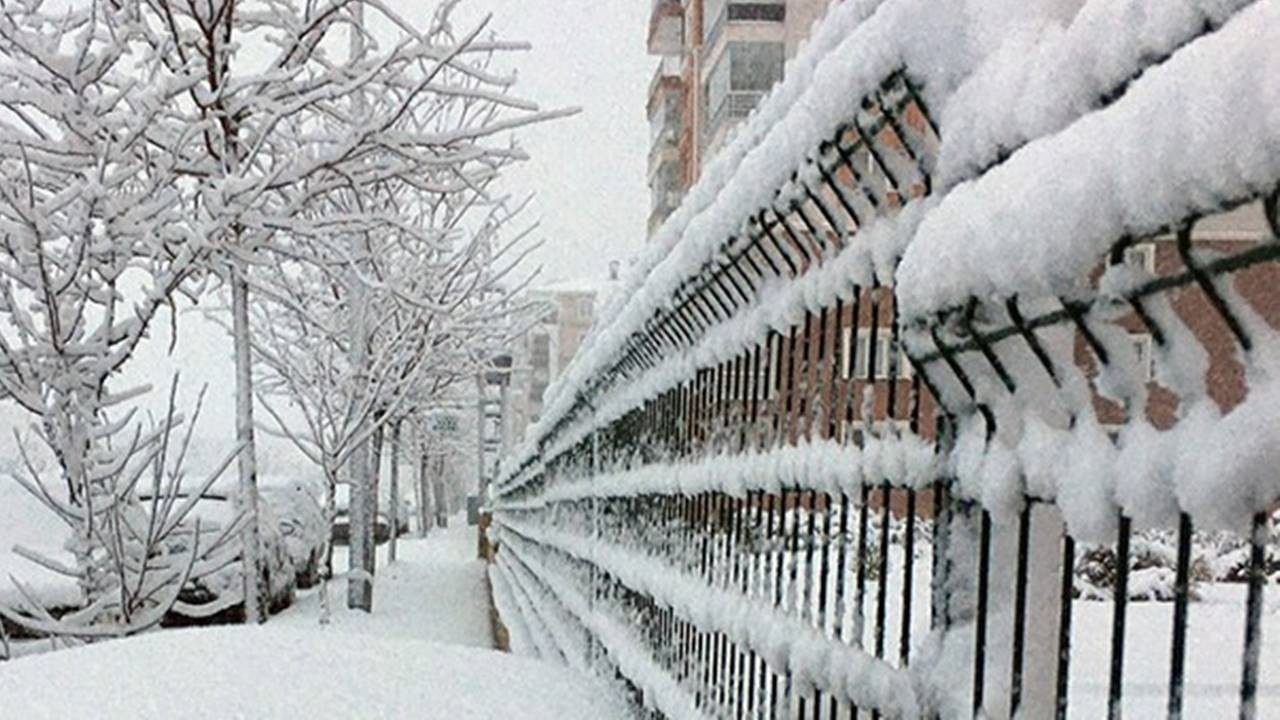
x=423 y=654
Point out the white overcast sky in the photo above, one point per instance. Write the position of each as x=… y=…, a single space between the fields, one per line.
x=588 y=171
x=587 y=174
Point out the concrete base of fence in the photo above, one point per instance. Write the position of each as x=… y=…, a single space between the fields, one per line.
x=487 y=551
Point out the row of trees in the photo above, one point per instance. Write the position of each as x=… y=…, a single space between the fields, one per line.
x=327 y=164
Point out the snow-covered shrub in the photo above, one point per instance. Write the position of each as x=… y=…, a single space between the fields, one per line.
x=1231 y=555
x=1153 y=563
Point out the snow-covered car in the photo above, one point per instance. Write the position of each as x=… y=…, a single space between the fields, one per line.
x=301 y=521
x=342 y=528
x=216 y=594
x=341 y=532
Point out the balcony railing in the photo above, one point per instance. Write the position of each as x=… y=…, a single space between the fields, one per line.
x=737 y=104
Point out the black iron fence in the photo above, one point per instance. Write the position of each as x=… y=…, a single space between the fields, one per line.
x=782 y=499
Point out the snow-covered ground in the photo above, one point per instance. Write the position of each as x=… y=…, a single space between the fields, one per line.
x=422 y=654
x=292 y=672
x=435 y=591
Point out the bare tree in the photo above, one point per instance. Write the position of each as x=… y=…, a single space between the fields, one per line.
x=134 y=559
x=397 y=282
x=95 y=247
x=288 y=144
x=148 y=148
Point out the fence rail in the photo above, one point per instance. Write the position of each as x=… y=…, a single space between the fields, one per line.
x=827 y=467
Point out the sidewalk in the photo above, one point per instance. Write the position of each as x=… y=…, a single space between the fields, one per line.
x=422 y=654
x=435 y=591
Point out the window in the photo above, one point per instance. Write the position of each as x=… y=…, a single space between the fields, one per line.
x=584 y=308
x=1142 y=349
x=861 y=355
x=740 y=78
x=1141 y=256
x=856 y=432
x=541 y=352
x=717 y=13
x=758 y=11
x=664 y=189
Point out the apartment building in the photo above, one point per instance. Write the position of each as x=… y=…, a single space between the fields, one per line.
x=717 y=61
x=543 y=353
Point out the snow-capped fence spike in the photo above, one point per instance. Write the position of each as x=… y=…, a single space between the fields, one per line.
x=908 y=579
x=767 y=234
x=827 y=215
x=834 y=187
x=1271 y=209
x=794 y=239
x=1076 y=312
x=844 y=158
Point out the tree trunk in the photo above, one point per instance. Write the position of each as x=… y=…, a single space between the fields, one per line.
x=442 y=502
x=360 y=515
x=247 y=498
x=375 y=477
x=363 y=510
x=330 y=513
x=424 y=496
x=393 y=504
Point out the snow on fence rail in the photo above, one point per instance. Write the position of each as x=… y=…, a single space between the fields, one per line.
x=955 y=337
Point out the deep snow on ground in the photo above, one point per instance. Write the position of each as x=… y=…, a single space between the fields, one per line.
x=1215 y=646
x=434 y=591
x=422 y=654
x=281 y=672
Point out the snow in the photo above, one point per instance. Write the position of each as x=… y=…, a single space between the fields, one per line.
x=1048 y=75
x=787 y=643
x=423 y=653
x=1067 y=127
x=626 y=650
x=283 y=672
x=903 y=461
x=1215 y=640
x=1198 y=130
x=434 y=591
x=25 y=521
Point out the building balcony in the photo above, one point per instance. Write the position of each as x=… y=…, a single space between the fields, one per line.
x=665 y=203
x=667 y=78
x=664 y=150
x=666 y=27
x=737 y=104
x=737 y=12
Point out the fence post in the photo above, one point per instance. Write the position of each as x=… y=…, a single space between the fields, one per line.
x=1023 y=609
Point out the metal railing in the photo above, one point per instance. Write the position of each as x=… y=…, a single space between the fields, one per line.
x=756 y=533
